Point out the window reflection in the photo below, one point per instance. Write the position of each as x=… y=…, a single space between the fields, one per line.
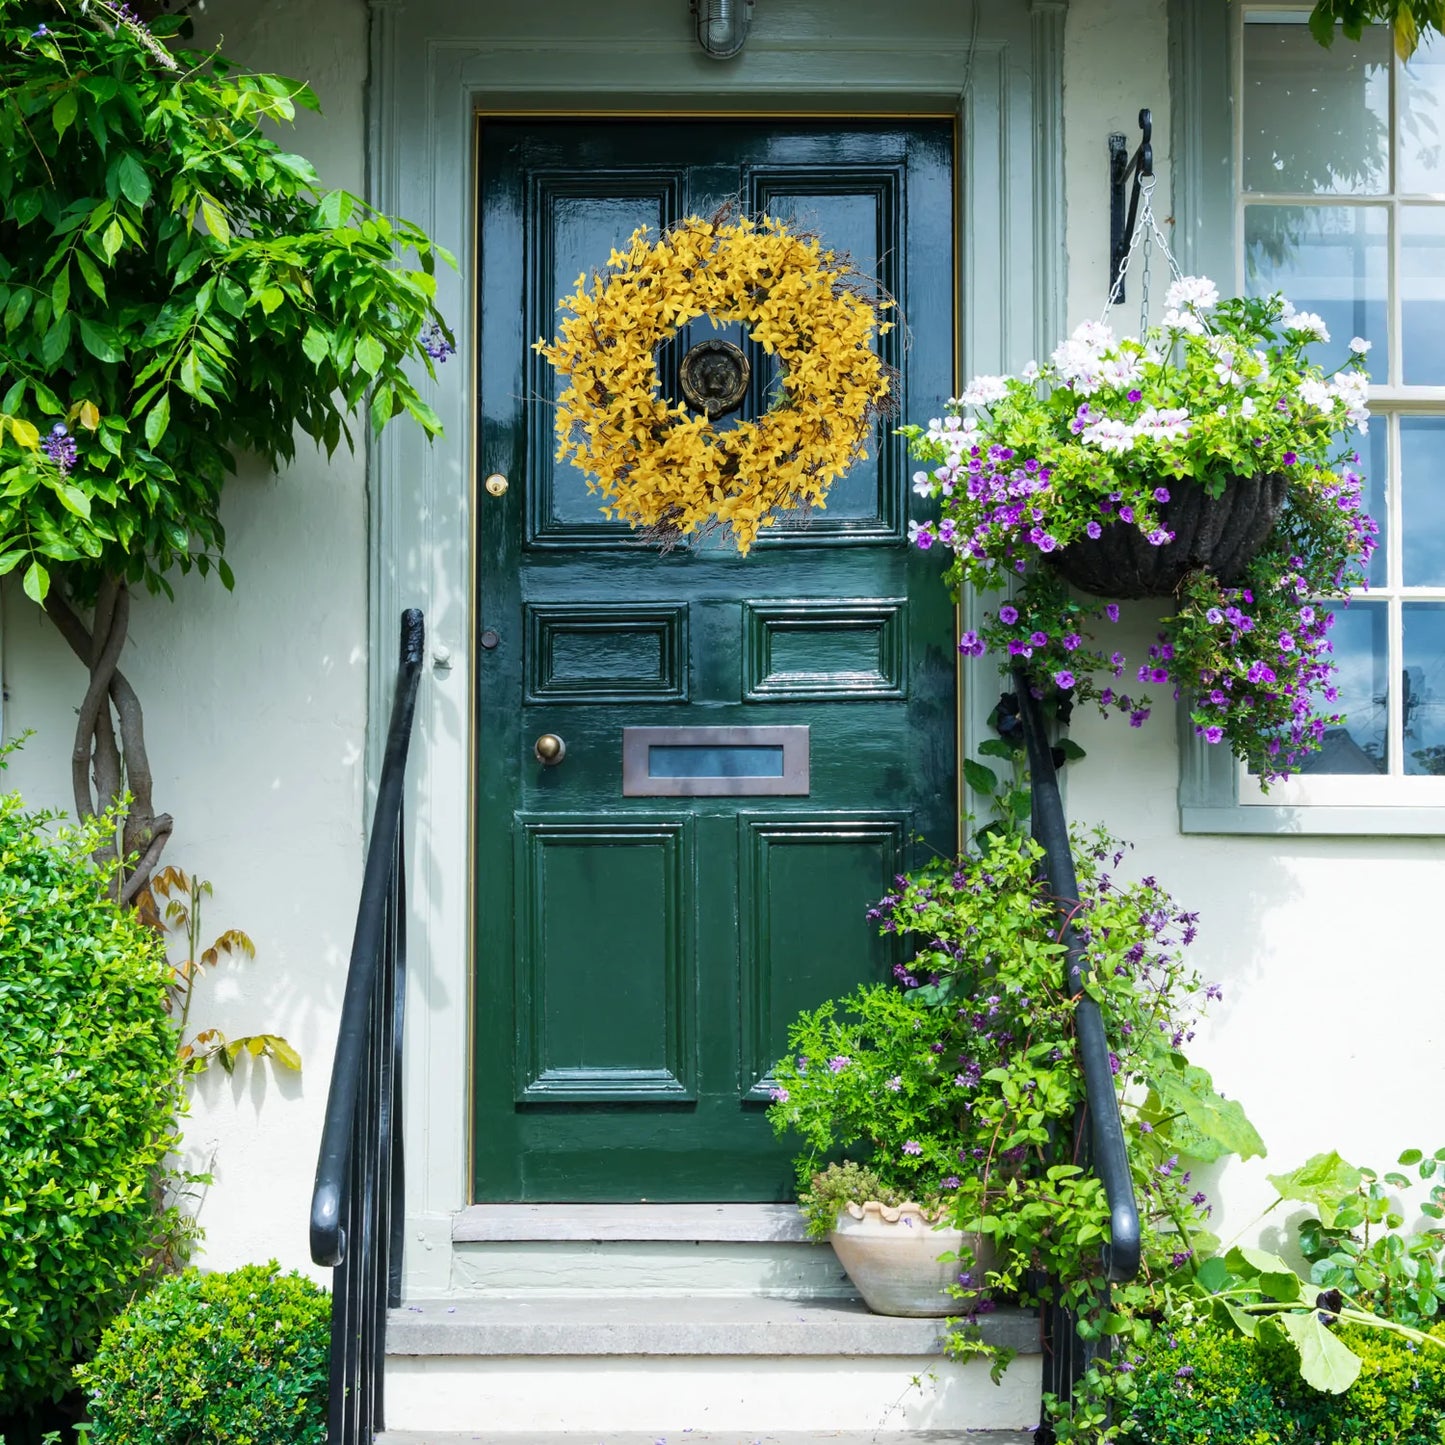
x=1422 y=697
x=1422 y=294
x=1360 y=638
x=1315 y=121
x=1421 y=119
x=1331 y=260
x=1422 y=500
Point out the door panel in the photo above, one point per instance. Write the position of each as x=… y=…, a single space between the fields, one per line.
x=639 y=957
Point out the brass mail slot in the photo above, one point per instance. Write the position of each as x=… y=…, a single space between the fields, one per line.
x=714 y=762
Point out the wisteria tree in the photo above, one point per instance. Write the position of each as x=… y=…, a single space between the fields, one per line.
x=175 y=288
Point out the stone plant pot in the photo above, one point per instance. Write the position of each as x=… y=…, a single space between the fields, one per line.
x=891 y=1255
x=1220 y=534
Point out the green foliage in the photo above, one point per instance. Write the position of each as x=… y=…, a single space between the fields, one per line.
x=87 y=1098
x=963 y=1085
x=1409 y=20
x=183 y=896
x=829 y=1190
x=174 y=288
x=1198 y=1384
x=215 y=1359
x=1357 y=1243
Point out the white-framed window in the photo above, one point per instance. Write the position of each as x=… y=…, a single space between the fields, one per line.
x=1339 y=202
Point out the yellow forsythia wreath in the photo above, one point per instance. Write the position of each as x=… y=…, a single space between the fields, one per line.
x=670 y=470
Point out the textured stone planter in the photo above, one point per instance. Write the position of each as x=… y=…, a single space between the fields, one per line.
x=891 y=1255
x=1220 y=534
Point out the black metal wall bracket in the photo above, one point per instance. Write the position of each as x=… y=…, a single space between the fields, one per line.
x=1121 y=223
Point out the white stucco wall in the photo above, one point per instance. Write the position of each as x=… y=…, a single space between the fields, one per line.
x=256 y=719
x=256 y=708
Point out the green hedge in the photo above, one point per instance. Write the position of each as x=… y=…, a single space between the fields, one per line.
x=87 y=1101
x=214 y=1359
x=1213 y=1387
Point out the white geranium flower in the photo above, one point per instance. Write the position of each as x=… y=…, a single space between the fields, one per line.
x=1316 y=394
x=1163 y=424
x=1359 y=345
x=1109 y=435
x=1306 y=323
x=1094 y=334
x=1031 y=371
x=1353 y=388
x=1247 y=408
x=1183 y=321
x=1122 y=370
x=1192 y=293
x=985 y=390
x=923 y=484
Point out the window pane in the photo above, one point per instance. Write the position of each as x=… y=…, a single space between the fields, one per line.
x=1424 y=687
x=1422 y=500
x=1361 y=653
x=1327 y=259
x=1421 y=138
x=1372 y=451
x=1422 y=294
x=1316 y=121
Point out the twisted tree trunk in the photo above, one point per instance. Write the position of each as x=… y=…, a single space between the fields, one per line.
x=109 y=758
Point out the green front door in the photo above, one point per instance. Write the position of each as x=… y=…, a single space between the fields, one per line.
x=639 y=953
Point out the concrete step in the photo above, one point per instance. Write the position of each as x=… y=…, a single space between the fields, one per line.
x=711 y=1437
x=681 y=1249
x=672 y=1367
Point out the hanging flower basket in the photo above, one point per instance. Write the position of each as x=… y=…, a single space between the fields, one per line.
x=668 y=467
x=1218 y=534
x=1198 y=462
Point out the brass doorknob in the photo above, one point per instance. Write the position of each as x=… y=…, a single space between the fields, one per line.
x=550 y=750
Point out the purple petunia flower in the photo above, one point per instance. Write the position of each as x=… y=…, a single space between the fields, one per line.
x=1111 y=611
x=1064 y=679
x=1008 y=614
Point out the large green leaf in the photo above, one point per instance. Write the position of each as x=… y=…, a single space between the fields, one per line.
x=1325 y=1361
x=1187 y=1089
x=1267 y=1272
x=1323 y=1181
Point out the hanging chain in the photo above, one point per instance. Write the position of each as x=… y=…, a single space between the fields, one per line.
x=1146 y=237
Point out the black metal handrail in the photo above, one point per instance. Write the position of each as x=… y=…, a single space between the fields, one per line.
x=1098 y=1133
x=357 y=1200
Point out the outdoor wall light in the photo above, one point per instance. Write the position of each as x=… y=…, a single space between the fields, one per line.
x=722 y=25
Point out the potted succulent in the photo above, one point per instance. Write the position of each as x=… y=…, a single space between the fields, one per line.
x=954 y=1090
x=1199 y=462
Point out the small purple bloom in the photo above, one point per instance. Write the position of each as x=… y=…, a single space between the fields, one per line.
x=1064 y=679
x=59 y=446
x=1008 y=614
x=1094 y=530
x=1111 y=611
x=912 y=1146
x=1161 y=495
x=839 y=1062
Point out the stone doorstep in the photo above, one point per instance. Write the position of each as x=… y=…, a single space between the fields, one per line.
x=710 y=1437
x=736 y=1325
x=689 y=1223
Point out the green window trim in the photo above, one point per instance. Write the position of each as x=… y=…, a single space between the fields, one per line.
x=1201 y=69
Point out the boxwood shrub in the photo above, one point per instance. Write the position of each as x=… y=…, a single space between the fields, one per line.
x=87 y=1101
x=1210 y=1386
x=214 y=1359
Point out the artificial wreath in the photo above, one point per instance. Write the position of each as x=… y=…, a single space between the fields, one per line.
x=671 y=470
